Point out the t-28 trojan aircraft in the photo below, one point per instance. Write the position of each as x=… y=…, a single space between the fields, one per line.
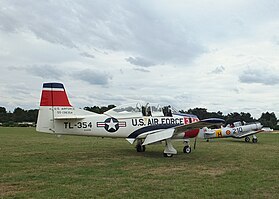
x=146 y=124
x=236 y=130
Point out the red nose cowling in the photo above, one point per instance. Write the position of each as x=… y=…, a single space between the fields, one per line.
x=191 y=133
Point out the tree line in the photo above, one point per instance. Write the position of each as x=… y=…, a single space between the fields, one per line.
x=20 y=115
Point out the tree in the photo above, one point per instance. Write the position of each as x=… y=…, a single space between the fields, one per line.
x=203 y=114
x=32 y=115
x=234 y=117
x=3 y=110
x=19 y=115
x=94 y=109
x=99 y=110
x=247 y=117
x=200 y=112
x=268 y=120
x=4 y=116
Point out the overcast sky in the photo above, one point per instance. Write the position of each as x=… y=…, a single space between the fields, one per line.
x=215 y=54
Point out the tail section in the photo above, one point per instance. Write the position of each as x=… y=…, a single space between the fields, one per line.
x=55 y=108
x=54 y=99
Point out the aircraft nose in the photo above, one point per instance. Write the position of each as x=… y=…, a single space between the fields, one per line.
x=191 y=133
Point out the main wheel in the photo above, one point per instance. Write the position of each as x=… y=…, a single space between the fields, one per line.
x=168 y=155
x=143 y=148
x=139 y=148
x=254 y=140
x=247 y=139
x=187 y=149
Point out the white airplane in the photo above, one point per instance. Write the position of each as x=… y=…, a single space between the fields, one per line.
x=236 y=130
x=146 y=125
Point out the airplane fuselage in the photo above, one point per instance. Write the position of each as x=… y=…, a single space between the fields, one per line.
x=103 y=125
x=235 y=132
x=145 y=124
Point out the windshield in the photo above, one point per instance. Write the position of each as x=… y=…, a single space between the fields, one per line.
x=126 y=108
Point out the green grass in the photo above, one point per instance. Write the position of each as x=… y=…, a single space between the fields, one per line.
x=37 y=165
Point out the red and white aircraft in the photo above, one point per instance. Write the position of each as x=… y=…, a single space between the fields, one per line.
x=146 y=125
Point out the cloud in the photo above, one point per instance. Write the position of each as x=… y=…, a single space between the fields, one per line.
x=218 y=70
x=262 y=76
x=138 y=61
x=93 y=77
x=142 y=70
x=236 y=90
x=142 y=45
x=88 y=55
x=120 y=27
x=44 y=71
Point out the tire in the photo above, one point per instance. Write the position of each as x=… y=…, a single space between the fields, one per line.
x=187 y=149
x=247 y=139
x=143 y=148
x=168 y=155
x=138 y=147
x=254 y=140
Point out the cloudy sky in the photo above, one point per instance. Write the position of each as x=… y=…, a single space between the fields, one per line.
x=219 y=55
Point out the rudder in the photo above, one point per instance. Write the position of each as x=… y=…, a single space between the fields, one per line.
x=53 y=95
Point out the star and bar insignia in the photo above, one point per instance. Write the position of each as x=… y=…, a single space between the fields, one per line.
x=111 y=124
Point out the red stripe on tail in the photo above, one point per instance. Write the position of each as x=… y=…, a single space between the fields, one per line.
x=54 y=97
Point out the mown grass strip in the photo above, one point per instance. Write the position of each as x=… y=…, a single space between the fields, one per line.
x=36 y=165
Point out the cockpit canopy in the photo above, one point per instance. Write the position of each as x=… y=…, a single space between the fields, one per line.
x=139 y=110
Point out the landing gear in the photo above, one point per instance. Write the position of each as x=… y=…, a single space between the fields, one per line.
x=169 y=149
x=140 y=147
x=187 y=149
x=168 y=155
x=247 y=139
x=255 y=139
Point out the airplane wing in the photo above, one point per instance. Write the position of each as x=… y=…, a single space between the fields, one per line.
x=198 y=125
x=158 y=136
x=170 y=132
x=247 y=134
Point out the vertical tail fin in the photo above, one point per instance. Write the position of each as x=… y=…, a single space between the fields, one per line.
x=53 y=97
x=55 y=108
x=54 y=94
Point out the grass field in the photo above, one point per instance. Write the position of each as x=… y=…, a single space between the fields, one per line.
x=36 y=165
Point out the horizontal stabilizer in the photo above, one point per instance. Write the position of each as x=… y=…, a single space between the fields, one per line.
x=72 y=117
x=71 y=114
x=158 y=136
